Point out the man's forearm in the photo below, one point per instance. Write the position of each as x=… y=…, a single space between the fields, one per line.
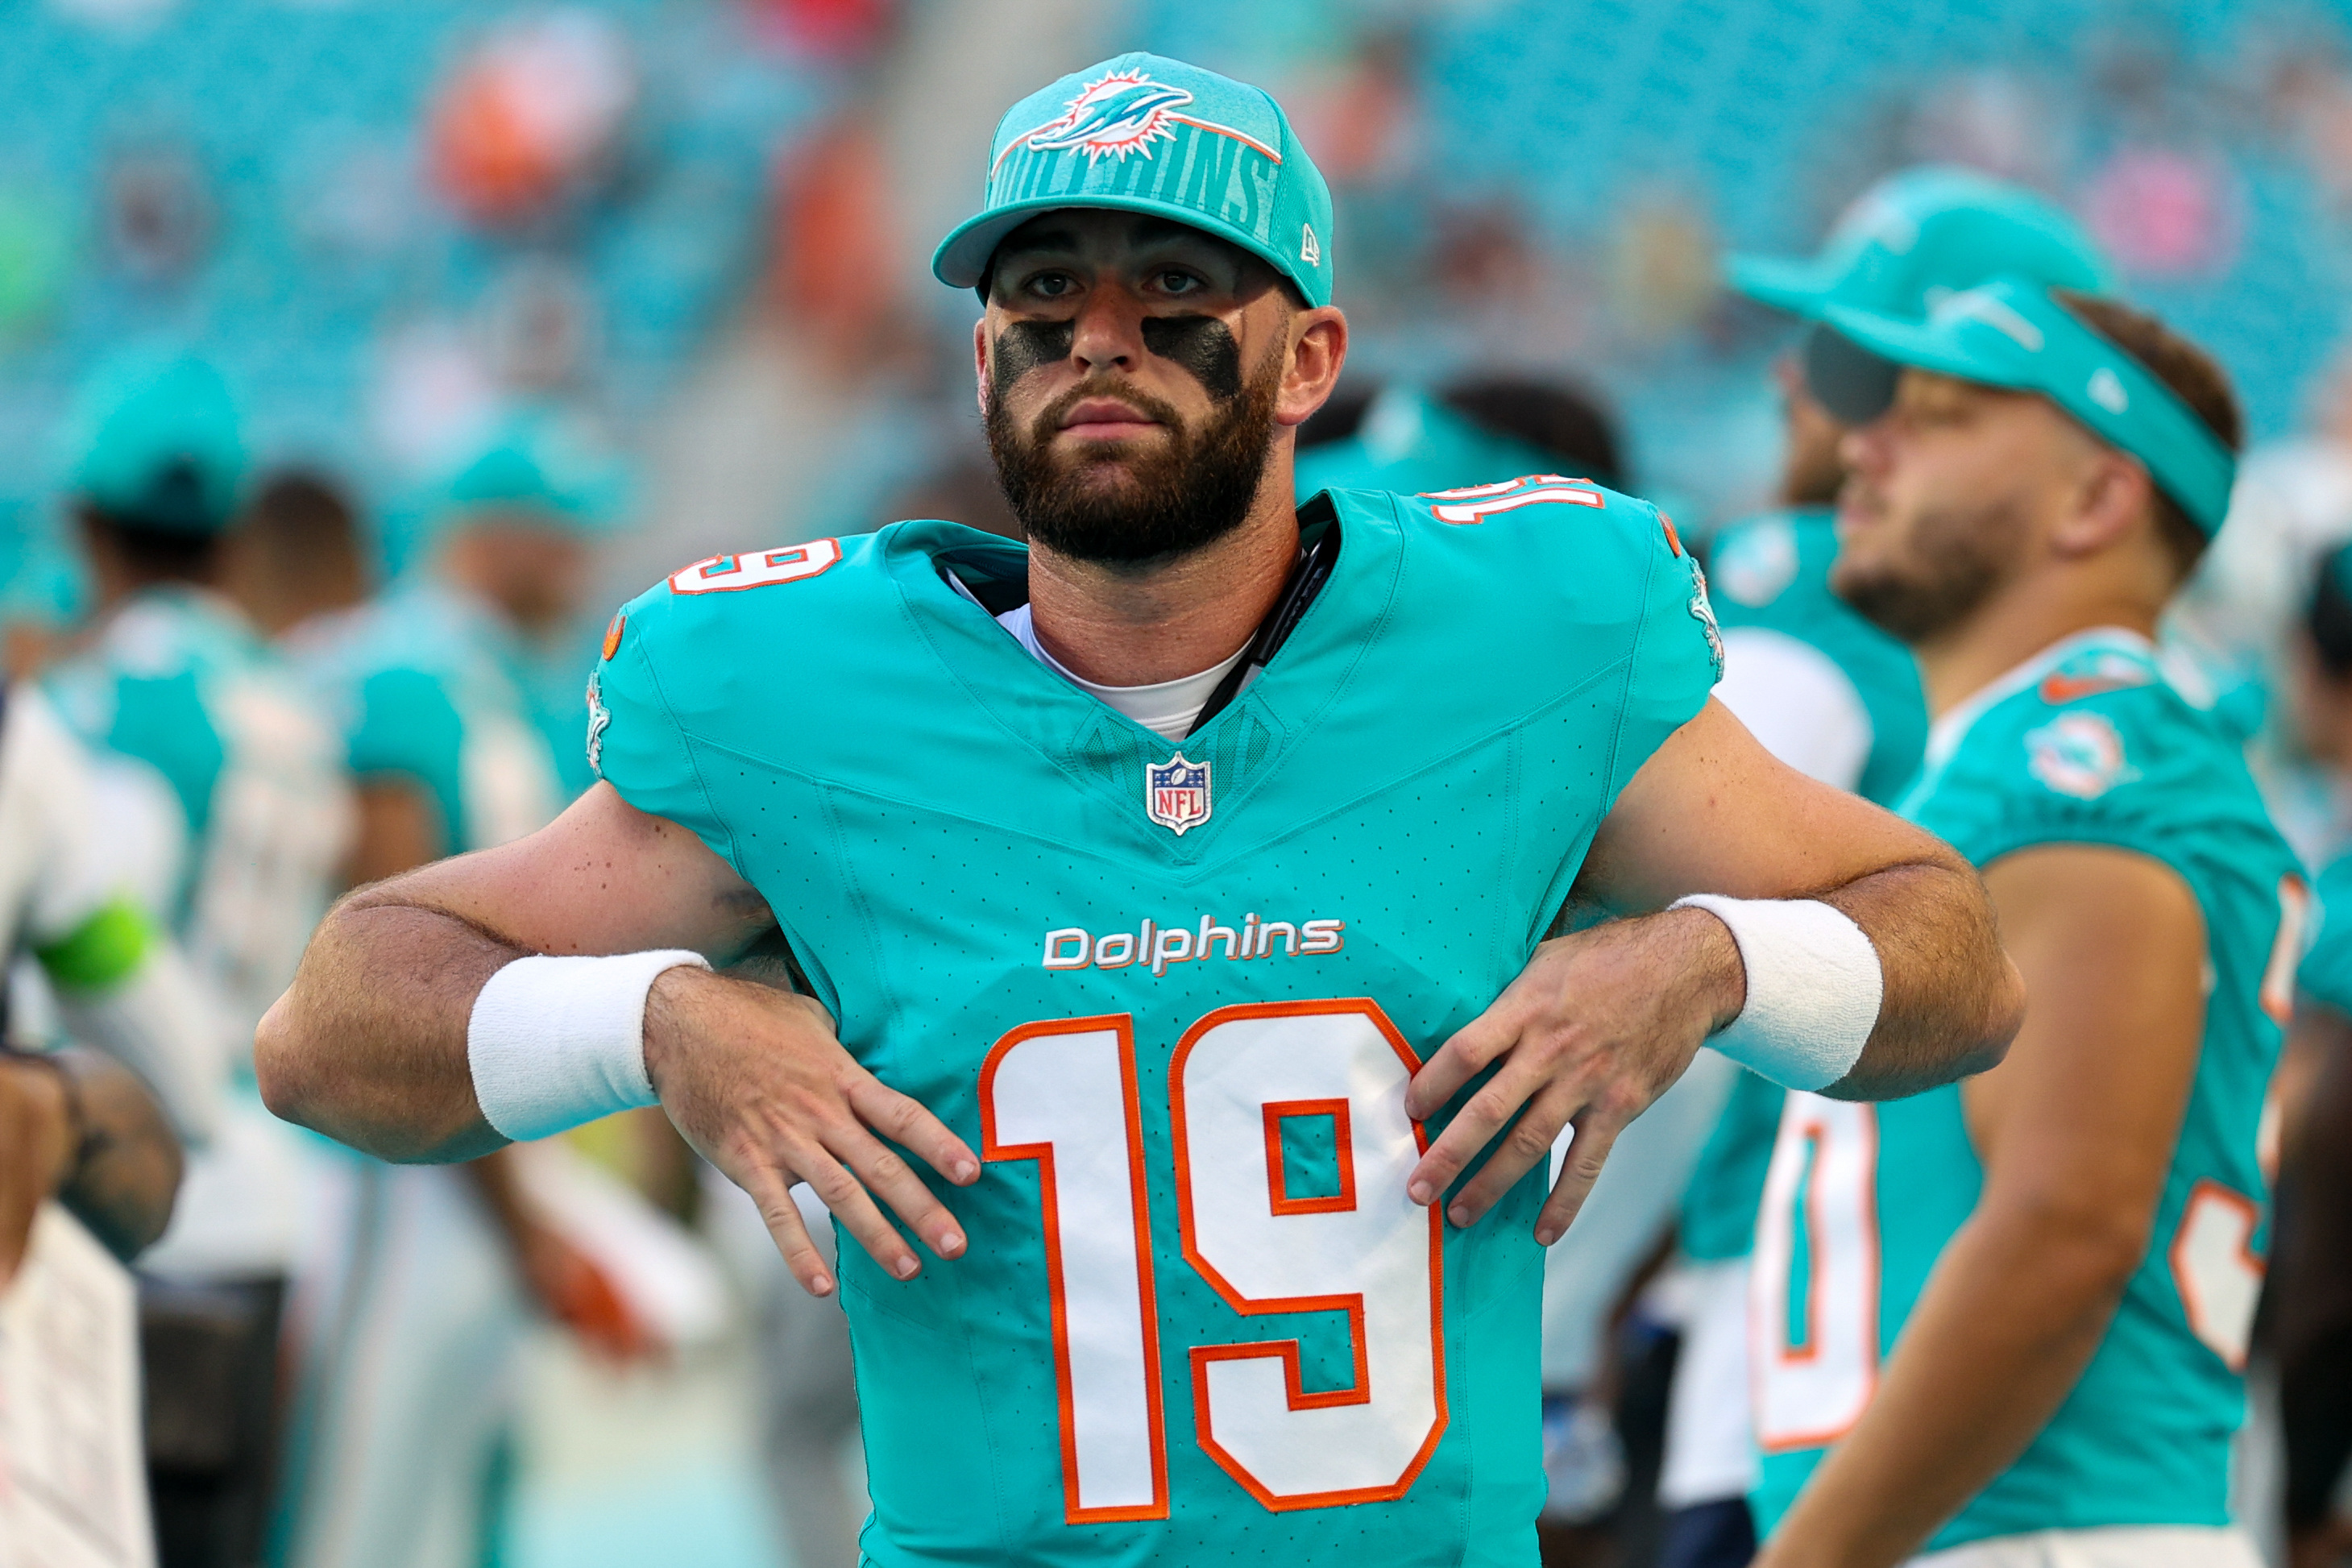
x=129 y=1170
x=1952 y=1001
x=368 y=1046
x=1981 y=1368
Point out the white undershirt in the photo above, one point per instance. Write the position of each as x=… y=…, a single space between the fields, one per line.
x=1796 y=701
x=1169 y=707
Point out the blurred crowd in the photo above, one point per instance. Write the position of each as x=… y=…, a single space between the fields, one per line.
x=356 y=359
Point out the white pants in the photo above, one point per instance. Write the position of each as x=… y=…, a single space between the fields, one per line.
x=1710 y=1425
x=409 y=1319
x=1630 y=1205
x=2148 y=1546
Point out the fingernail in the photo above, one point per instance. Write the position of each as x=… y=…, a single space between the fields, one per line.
x=965 y=1171
x=906 y=1268
x=950 y=1244
x=1545 y=1237
x=1418 y=1192
x=1459 y=1214
x=822 y=1284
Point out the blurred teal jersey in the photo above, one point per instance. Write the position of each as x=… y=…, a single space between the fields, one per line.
x=2327 y=971
x=427 y=688
x=1174 y=992
x=242 y=762
x=1771 y=576
x=2085 y=744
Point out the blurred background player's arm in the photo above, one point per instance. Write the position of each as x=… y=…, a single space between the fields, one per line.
x=2075 y=1132
x=120 y=982
x=81 y=1127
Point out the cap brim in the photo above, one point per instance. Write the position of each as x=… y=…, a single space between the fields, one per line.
x=961 y=260
x=1853 y=384
x=1796 y=287
x=1921 y=345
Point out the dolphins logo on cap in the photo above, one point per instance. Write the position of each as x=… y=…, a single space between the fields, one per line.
x=1123 y=112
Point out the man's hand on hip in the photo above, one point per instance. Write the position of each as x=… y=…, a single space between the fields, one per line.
x=756 y=1079
x=1599 y=1025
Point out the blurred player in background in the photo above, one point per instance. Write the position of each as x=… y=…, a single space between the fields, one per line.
x=1833 y=696
x=226 y=808
x=412 y=1299
x=1474 y=430
x=101 y=1132
x=299 y=553
x=78 y=1126
x=2007 y=1319
x=2308 y=1307
x=970 y=829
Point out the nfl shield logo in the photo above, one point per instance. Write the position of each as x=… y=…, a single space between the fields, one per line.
x=1176 y=793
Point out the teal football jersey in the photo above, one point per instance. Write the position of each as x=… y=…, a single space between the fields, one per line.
x=179 y=682
x=2085 y=744
x=2327 y=970
x=1772 y=575
x=1174 y=994
x=427 y=687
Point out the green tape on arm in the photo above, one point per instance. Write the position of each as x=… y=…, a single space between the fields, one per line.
x=101 y=952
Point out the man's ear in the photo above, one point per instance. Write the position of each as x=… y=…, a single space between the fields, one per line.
x=980 y=365
x=2112 y=496
x=1317 y=352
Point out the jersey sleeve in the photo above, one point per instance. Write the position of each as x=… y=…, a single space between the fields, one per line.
x=2134 y=768
x=635 y=740
x=405 y=728
x=2325 y=973
x=1677 y=653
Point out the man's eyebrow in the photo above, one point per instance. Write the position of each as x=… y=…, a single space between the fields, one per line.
x=1027 y=239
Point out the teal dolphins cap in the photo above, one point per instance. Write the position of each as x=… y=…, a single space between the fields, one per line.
x=158 y=445
x=1917 y=236
x=1147 y=134
x=1410 y=443
x=535 y=462
x=2011 y=333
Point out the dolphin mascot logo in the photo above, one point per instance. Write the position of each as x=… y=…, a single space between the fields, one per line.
x=1124 y=113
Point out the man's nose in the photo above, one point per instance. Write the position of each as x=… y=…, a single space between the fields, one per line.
x=1863 y=449
x=1109 y=330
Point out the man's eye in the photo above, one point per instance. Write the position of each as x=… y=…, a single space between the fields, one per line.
x=1052 y=285
x=1173 y=282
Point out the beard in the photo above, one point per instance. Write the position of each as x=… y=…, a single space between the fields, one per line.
x=1958 y=557
x=1127 y=504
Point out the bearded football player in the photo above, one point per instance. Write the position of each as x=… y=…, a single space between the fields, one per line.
x=1166 y=903
x=2007 y=1319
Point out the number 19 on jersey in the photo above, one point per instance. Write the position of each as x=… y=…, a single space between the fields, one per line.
x=1064 y=1094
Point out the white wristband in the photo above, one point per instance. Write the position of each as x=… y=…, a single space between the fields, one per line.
x=1815 y=986
x=556 y=1042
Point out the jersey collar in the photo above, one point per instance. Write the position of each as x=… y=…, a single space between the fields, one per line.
x=1943 y=737
x=958 y=618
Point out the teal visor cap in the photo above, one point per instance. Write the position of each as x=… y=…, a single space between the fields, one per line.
x=1145 y=135
x=2011 y=333
x=1921 y=234
x=536 y=464
x=159 y=445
